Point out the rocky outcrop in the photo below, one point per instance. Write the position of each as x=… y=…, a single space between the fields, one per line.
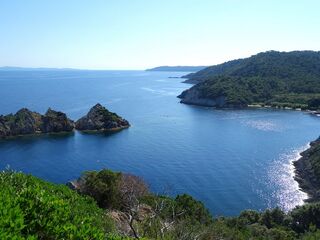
x=54 y=121
x=192 y=96
x=26 y=122
x=100 y=119
x=307 y=170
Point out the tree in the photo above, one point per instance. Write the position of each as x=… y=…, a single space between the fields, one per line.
x=103 y=186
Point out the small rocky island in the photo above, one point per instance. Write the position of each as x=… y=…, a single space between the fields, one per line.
x=26 y=122
x=100 y=119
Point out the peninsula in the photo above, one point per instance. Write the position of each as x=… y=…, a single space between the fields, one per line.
x=277 y=79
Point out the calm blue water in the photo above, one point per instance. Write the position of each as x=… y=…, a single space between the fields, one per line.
x=229 y=159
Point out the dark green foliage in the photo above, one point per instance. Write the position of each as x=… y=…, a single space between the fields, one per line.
x=311 y=157
x=183 y=217
x=314 y=103
x=249 y=217
x=192 y=209
x=108 y=115
x=274 y=78
x=34 y=209
x=306 y=216
x=272 y=218
x=103 y=186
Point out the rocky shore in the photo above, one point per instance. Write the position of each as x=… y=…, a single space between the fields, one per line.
x=193 y=97
x=307 y=171
x=26 y=122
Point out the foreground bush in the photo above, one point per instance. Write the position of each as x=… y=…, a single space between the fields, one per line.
x=34 y=209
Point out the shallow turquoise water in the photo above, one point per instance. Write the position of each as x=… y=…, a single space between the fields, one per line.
x=229 y=159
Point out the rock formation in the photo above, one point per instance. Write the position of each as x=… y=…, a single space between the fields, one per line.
x=100 y=119
x=26 y=122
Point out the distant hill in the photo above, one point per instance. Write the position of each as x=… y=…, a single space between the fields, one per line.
x=177 y=68
x=284 y=79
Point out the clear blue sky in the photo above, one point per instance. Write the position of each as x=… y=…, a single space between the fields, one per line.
x=136 y=34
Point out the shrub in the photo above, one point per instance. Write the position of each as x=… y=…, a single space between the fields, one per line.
x=305 y=216
x=103 y=186
x=192 y=209
x=34 y=209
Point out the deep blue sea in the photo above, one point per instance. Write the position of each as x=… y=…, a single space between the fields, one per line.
x=229 y=159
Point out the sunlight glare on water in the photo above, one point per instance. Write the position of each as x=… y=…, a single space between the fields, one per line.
x=282 y=174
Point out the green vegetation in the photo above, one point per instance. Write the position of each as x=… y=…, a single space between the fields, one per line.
x=272 y=78
x=34 y=209
x=102 y=186
x=153 y=216
x=313 y=154
x=108 y=115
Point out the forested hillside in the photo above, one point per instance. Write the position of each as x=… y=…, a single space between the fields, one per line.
x=284 y=79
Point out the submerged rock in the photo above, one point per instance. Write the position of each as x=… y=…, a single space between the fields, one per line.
x=100 y=119
x=26 y=122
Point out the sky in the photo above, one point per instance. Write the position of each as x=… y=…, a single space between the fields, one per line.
x=138 y=34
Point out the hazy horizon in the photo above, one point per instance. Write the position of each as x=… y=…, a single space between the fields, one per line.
x=136 y=35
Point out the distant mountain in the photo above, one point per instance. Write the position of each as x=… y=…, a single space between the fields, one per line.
x=177 y=68
x=283 y=79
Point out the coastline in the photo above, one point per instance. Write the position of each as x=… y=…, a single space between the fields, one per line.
x=304 y=173
x=191 y=97
x=249 y=106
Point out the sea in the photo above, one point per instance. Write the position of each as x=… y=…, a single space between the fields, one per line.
x=230 y=160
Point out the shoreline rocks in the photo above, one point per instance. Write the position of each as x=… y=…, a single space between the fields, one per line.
x=307 y=171
x=192 y=96
x=101 y=119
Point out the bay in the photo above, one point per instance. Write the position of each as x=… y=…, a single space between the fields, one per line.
x=230 y=159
